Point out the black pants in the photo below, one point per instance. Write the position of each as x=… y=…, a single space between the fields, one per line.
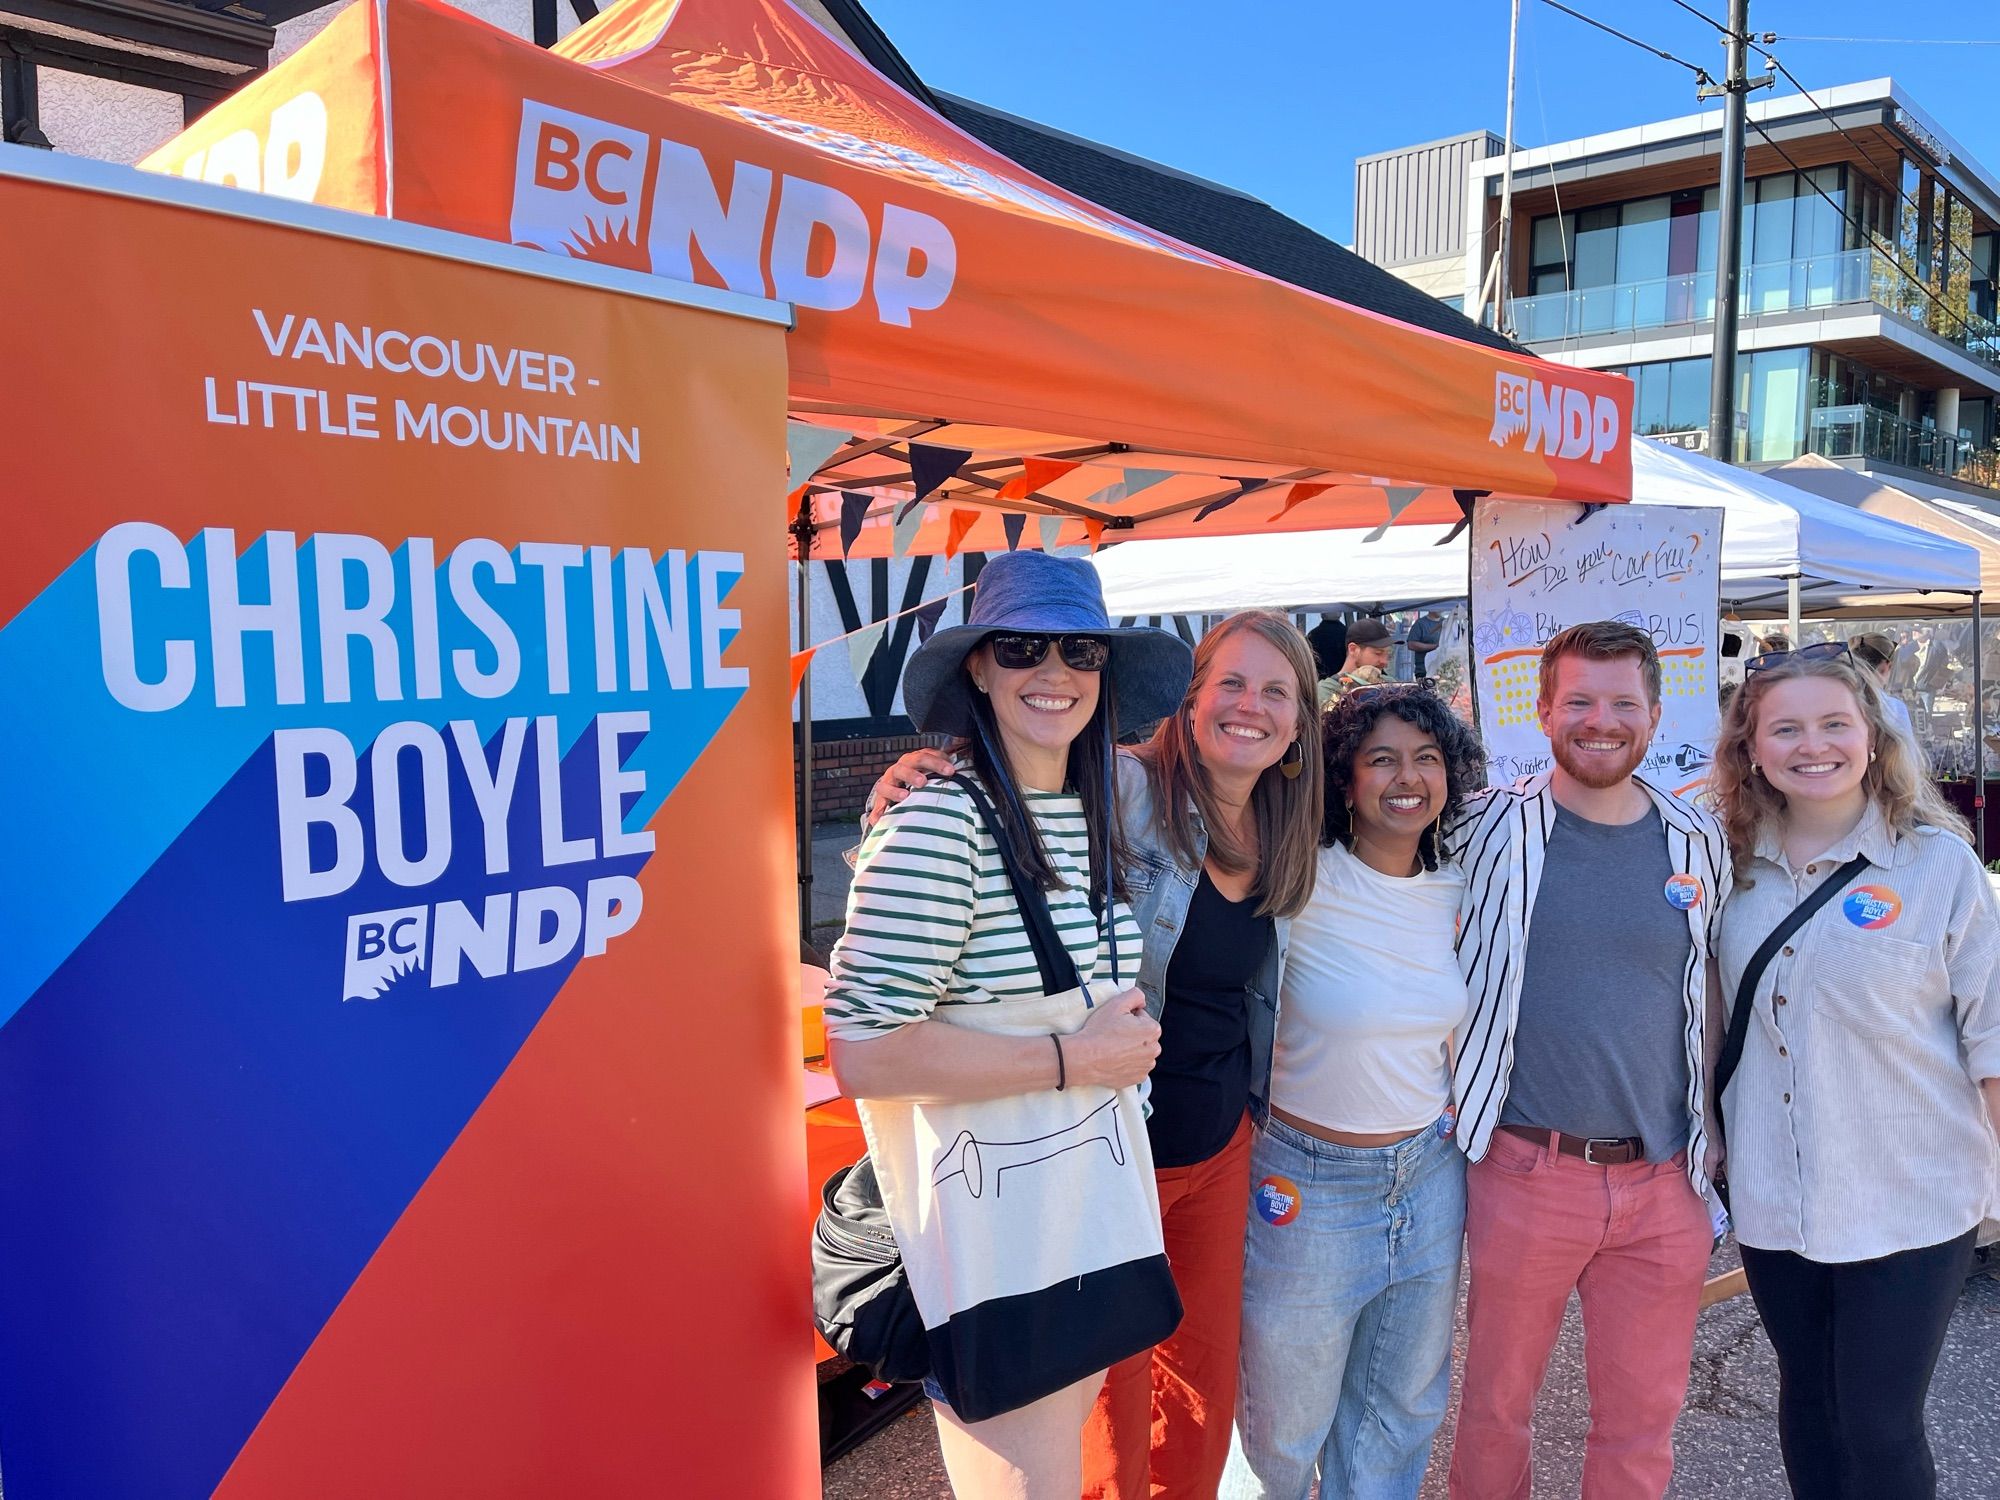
x=1856 y=1345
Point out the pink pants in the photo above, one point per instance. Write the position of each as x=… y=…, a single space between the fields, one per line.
x=1634 y=1242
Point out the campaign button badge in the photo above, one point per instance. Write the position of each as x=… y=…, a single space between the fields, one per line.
x=1277 y=1200
x=1871 y=906
x=1683 y=892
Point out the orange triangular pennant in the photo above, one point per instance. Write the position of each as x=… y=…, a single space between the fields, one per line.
x=960 y=523
x=800 y=661
x=1299 y=495
x=1094 y=530
x=1036 y=474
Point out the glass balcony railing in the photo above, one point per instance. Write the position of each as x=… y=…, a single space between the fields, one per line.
x=1866 y=432
x=1851 y=276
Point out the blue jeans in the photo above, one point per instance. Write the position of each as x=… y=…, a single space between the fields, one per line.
x=1350 y=1286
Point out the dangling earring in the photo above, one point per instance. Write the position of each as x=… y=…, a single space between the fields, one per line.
x=1294 y=761
x=1755 y=769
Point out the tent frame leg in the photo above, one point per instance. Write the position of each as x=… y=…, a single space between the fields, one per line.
x=1978 y=731
x=802 y=535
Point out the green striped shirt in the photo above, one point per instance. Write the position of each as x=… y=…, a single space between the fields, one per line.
x=932 y=920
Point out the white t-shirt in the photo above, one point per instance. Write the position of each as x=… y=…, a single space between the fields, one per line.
x=1371 y=995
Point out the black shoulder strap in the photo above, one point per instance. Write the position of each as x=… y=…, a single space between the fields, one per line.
x=1051 y=957
x=1746 y=987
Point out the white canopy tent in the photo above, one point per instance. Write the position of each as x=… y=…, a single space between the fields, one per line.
x=1773 y=536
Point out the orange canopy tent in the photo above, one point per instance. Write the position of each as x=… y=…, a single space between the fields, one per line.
x=944 y=295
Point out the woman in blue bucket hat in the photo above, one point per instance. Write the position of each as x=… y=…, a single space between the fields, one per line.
x=938 y=958
x=1219 y=812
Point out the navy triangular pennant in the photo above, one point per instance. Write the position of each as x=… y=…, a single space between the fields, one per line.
x=853 y=511
x=928 y=617
x=931 y=467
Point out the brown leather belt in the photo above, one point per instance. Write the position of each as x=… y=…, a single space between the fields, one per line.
x=1599 y=1151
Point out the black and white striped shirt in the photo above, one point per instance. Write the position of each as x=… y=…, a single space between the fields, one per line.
x=1500 y=840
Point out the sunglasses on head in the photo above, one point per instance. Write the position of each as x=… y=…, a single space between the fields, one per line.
x=1081 y=653
x=1818 y=651
x=1422 y=685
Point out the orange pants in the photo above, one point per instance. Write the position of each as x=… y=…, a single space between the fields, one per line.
x=1161 y=1424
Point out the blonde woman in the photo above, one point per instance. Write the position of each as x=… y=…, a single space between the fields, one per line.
x=1860 y=1122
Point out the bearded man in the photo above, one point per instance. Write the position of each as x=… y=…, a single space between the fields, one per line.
x=1585 y=936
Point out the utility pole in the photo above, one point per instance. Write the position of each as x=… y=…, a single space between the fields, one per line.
x=1735 y=91
x=1503 y=256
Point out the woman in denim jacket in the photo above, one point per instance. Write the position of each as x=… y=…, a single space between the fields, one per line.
x=1219 y=813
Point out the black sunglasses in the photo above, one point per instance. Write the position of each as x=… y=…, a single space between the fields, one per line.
x=1082 y=653
x=1818 y=651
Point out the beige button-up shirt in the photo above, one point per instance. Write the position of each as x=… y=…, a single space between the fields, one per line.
x=1855 y=1123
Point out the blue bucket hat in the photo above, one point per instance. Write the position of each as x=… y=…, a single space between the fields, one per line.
x=1032 y=593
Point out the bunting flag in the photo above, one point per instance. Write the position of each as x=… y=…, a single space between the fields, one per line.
x=1144 y=479
x=1110 y=495
x=1094 y=531
x=959 y=524
x=1465 y=499
x=928 y=616
x=795 y=498
x=800 y=661
x=1299 y=495
x=1036 y=474
x=807 y=447
x=1013 y=525
x=931 y=467
x=861 y=646
x=1400 y=496
x=905 y=527
x=853 y=511
x=1051 y=529
x=1243 y=487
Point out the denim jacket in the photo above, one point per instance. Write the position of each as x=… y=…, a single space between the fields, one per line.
x=1161 y=890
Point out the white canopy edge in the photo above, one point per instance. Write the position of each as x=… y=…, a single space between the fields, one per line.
x=1771 y=532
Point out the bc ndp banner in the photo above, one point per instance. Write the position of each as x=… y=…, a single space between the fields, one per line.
x=397 y=1057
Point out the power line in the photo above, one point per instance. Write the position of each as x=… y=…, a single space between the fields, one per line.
x=1805 y=176
x=1964 y=250
x=1854 y=223
x=1898 y=41
x=1659 y=52
x=1699 y=16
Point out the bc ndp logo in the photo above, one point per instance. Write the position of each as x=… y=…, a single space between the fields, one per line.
x=1557 y=420
x=1277 y=1200
x=1871 y=906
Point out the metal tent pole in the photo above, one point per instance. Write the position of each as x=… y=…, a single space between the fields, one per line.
x=1792 y=611
x=1978 y=732
x=802 y=534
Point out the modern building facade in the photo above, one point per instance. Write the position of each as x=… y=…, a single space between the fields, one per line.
x=1871 y=257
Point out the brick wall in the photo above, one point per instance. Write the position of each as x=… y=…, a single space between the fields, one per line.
x=844 y=770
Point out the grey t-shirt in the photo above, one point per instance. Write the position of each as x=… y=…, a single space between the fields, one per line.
x=1599 y=1046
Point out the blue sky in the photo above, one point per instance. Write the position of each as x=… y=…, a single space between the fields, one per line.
x=1279 y=96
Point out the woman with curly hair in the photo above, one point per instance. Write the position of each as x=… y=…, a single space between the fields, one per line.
x=1861 y=1153
x=1350 y=1279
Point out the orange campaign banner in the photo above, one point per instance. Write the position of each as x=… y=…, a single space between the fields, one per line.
x=398 y=1012
x=734 y=143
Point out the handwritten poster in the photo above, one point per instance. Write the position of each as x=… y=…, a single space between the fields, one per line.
x=1538 y=569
